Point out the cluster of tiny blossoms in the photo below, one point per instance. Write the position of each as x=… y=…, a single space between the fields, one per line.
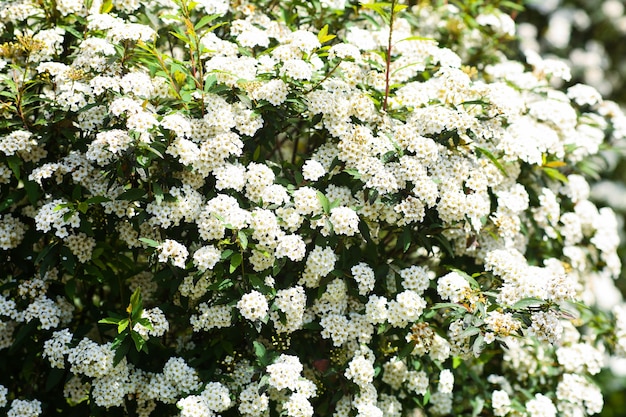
x=314 y=229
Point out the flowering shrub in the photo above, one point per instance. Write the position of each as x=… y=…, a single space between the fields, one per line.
x=297 y=208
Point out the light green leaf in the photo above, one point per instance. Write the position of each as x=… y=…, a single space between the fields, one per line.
x=151 y=243
x=555 y=174
x=205 y=21
x=324 y=202
x=243 y=239
x=528 y=302
x=235 y=261
x=110 y=320
x=122 y=325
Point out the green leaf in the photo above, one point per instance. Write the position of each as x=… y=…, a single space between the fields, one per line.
x=353 y=172
x=324 y=202
x=106 y=6
x=493 y=159
x=110 y=320
x=259 y=349
x=380 y=8
x=151 y=243
x=528 y=302
x=555 y=174
x=136 y=304
x=469 y=332
x=22 y=334
x=235 y=261
x=15 y=164
x=512 y=5
x=121 y=350
x=416 y=38
x=555 y=164
x=243 y=239
x=138 y=340
x=456 y=362
x=32 y=191
x=478 y=346
x=54 y=377
x=71 y=30
x=205 y=21
x=406 y=350
x=158 y=192
x=122 y=325
x=132 y=194
x=323 y=35
x=209 y=81
x=83 y=207
x=399 y=7
x=97 y=199
x=145 y=322
x=473 y=283
x=452 y=306
x=479 y=404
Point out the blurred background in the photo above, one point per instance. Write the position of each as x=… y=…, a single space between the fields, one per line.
x=590 y=35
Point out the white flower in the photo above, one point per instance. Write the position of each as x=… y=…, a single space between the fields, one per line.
x=24 y=408
x=312 y=170
x=364 y=276
x=500 y=402
x=3 y=395
x=345 y=221
x=292 y=247
x=206 y=257
x=453 y=287
x=446 y=381
x=284 y=372
x=360 y=371
x=541 y=406
x=174 y=251
x=253 y=306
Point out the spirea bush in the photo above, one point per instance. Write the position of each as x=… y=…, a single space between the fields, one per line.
x=297 y=208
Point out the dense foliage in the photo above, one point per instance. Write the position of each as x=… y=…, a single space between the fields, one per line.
x=298 y=208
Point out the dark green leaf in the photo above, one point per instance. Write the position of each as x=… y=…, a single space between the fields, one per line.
x=132 y=194
x=54 y=377
x=138 y=340
x=15 y=164
x=121 y=349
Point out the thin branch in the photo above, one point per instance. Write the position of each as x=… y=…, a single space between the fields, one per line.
x=388 y=60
